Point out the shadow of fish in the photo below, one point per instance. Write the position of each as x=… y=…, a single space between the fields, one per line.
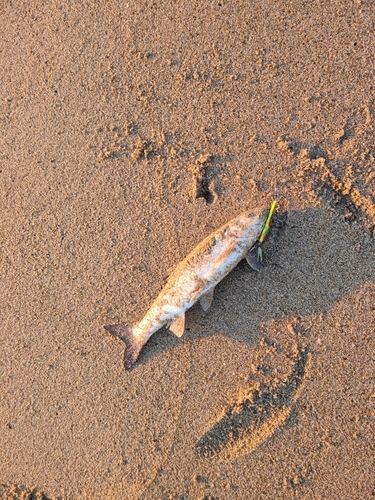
x=194 y=279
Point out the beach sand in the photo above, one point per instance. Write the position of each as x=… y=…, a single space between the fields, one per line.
x=130 y=130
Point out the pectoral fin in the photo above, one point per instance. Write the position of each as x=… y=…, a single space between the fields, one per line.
x=253 y=258
x=206 y=299
x=178 y=325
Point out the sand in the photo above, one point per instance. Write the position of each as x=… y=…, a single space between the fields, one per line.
x=129 y=131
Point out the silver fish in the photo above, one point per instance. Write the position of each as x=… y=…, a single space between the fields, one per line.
x=194 y=279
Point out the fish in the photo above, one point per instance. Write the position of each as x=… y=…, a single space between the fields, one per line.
x=194 y=279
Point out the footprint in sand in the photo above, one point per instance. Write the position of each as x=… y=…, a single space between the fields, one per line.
x=247 y=424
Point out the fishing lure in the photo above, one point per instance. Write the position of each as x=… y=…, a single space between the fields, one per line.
x=255 y=256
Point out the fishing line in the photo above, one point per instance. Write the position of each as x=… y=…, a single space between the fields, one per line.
x=267 y=50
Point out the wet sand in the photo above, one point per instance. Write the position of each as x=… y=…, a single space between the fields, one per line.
x=129 y=132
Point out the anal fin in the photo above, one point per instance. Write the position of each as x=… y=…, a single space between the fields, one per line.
x=206 y=299
x=178 y=325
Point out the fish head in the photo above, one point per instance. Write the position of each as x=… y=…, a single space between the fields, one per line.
x=246 y=226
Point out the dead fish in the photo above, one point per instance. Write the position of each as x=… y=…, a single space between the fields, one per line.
x=194 y=279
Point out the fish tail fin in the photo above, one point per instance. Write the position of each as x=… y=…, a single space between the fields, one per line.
x=132 y=343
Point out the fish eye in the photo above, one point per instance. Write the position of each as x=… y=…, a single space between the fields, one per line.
x=232 y=232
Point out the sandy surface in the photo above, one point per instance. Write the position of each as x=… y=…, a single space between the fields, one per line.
x=129 y=131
